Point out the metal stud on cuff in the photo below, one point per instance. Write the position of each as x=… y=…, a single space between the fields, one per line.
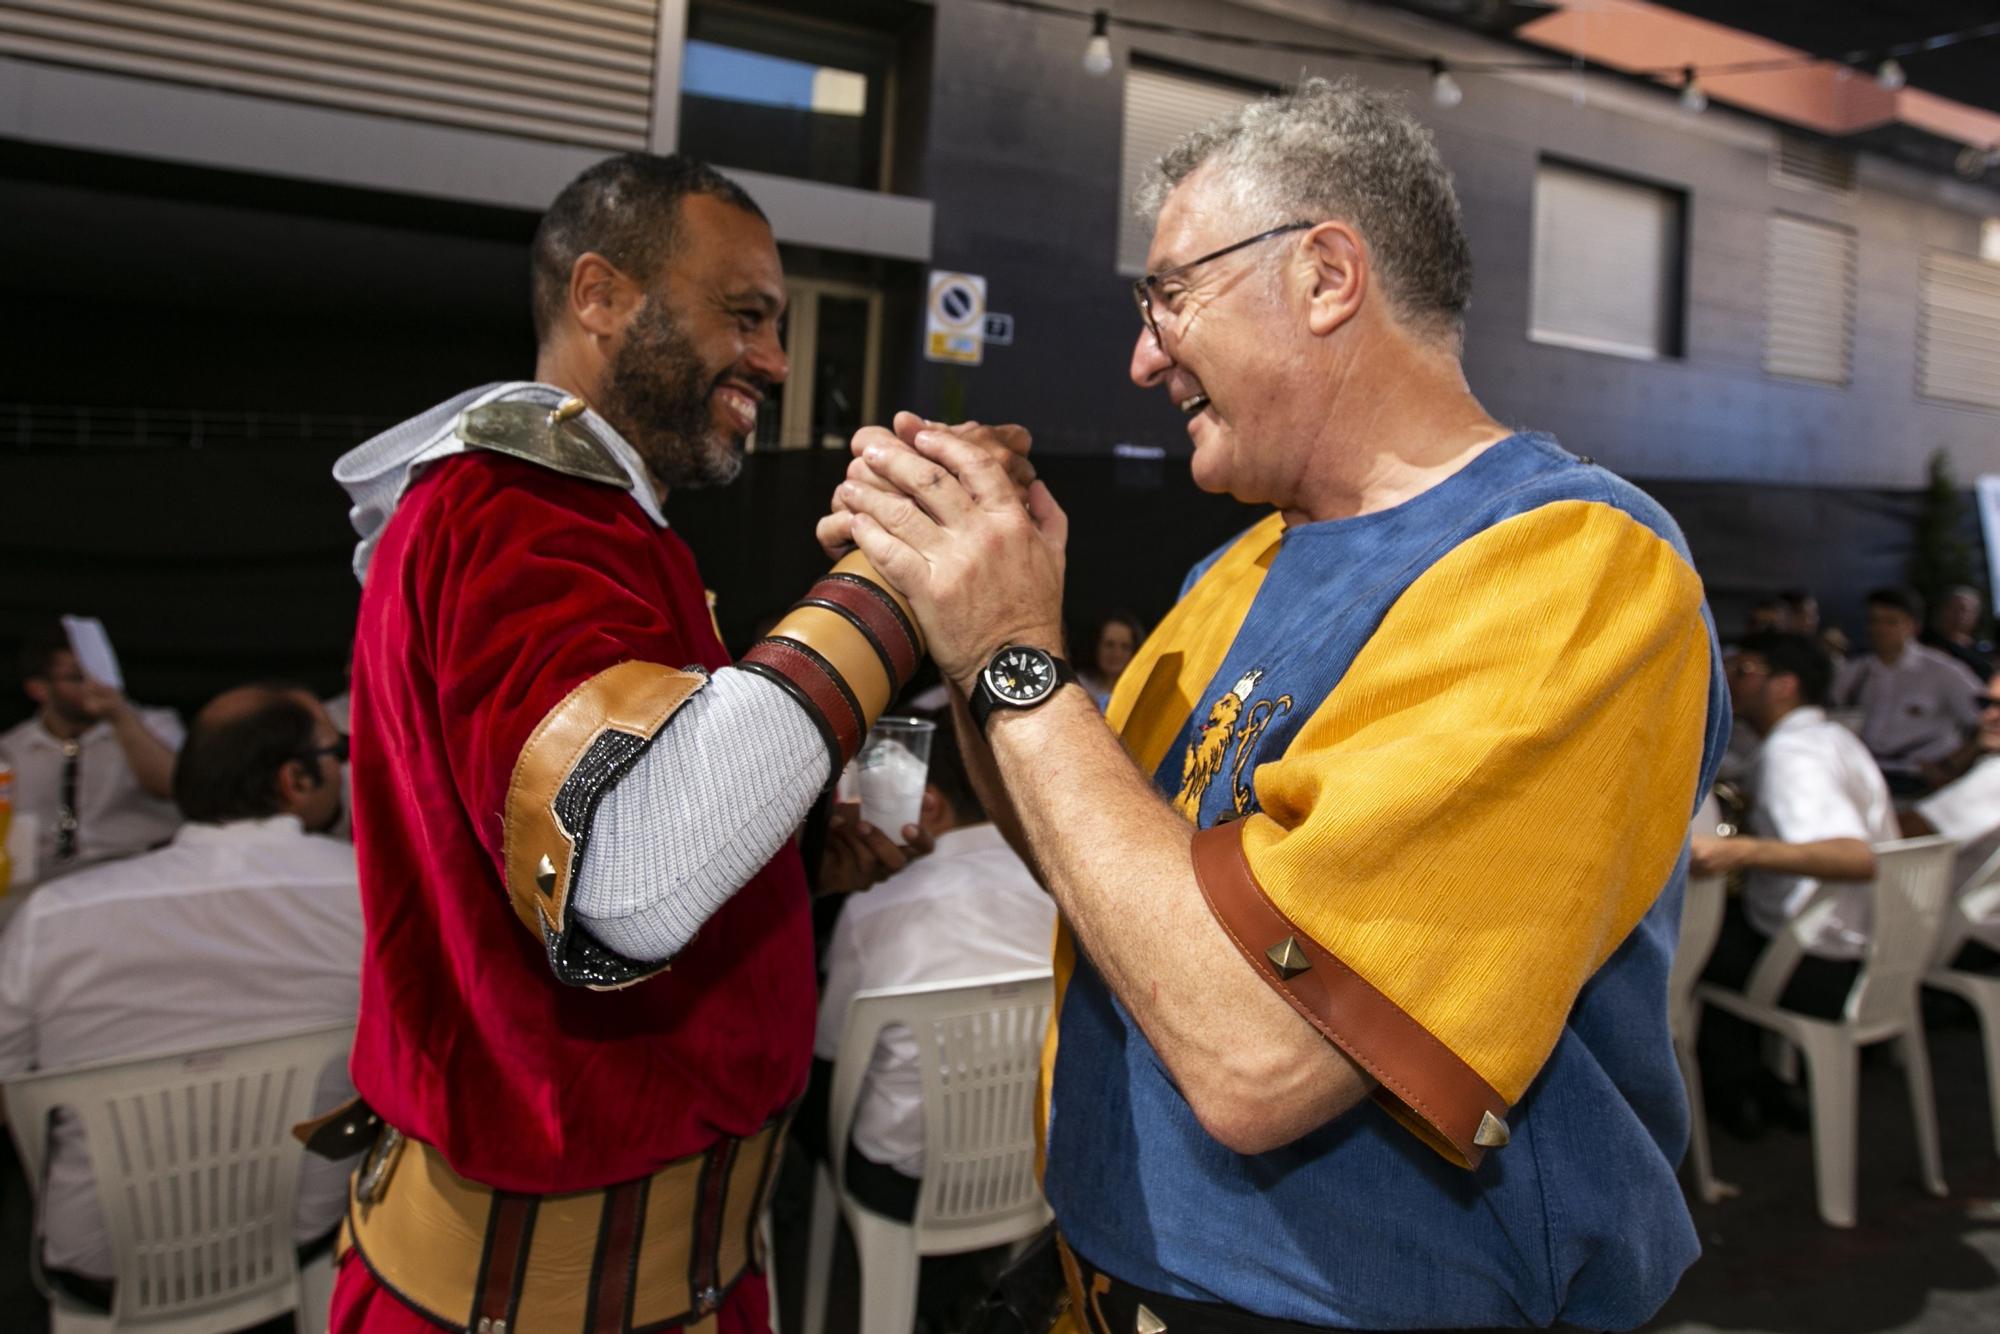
x=1492 y=1132
x=1288 y=958
x=1148 y=1323
x=545 y=875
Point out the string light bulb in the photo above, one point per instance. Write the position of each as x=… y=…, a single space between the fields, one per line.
x=1097 y=51
x=1693 y=100
x=1889 y=75
x=1444 y=89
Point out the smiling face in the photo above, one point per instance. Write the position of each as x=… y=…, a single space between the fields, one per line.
x=1233 y=346
x=698 y=356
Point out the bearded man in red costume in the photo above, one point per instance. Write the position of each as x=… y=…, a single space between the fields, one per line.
x=587 y=990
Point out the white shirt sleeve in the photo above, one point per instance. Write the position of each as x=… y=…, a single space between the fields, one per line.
x=165 y=725
x=1969 y=808
x=17 y=995
x=1802 y=798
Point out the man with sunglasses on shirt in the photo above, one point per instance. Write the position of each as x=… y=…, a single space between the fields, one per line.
x=1367 y=923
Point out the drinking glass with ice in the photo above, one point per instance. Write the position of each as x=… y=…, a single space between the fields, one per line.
x=892 y=767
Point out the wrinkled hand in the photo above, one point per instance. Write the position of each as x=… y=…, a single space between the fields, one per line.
x=981 y=568
x=1007 y=445
x=858 y=855
x=1718 y=856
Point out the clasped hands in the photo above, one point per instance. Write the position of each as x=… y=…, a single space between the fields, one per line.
x=955 y=519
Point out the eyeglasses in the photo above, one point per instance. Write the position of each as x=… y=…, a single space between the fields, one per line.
x=337 y=749
x=1143 y=288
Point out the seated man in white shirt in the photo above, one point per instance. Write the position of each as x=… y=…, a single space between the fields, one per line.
x=1817 y=804
x=1968 y=809
x=247 y=925
x=970 y=909
x=94 y=771
x=1915 y=702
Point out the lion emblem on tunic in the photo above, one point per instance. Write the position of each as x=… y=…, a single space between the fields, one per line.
x=1233 y=721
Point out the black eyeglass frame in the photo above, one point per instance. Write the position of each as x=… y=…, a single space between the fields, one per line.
x=1142 y=288
x=337 y=749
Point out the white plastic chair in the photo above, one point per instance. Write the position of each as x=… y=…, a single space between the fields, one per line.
x=197 y=1173
x=1912 y=879
x=979 y=1044
x=1701 y=924
x=1977 y=901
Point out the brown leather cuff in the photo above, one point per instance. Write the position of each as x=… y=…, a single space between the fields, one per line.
x=584 y=745
x=1422 y=1080
x=843 y=652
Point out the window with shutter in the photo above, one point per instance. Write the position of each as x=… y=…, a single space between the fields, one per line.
x=1809 y=300
x=1162 y=107
x=1607 y=263
x=1958 y=330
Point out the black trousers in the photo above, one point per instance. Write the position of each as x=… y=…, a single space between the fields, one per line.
x=1731 y=1049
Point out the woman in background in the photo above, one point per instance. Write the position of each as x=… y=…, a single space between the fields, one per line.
x=1108 y=648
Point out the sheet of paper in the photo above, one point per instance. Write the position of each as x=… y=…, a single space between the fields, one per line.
x=93 y=650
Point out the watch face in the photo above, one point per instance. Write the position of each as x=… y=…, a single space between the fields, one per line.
x=1019 y=675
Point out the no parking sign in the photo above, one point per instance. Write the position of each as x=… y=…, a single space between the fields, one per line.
x=955 y=319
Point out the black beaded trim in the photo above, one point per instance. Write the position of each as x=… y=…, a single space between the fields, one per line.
x=576 y=958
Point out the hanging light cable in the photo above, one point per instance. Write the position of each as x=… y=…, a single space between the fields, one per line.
x=1693 y=100
x=1444 y=89
x=1097 y=51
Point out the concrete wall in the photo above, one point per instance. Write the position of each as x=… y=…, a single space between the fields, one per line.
x=1024 y=169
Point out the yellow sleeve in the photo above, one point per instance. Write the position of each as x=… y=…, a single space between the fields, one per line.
x=1479 y=813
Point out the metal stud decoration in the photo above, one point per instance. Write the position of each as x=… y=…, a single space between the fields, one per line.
x=1288 y=958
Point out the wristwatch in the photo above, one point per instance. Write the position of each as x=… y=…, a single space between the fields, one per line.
x=1017 y=677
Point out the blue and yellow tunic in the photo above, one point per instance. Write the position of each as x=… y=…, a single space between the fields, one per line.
x=1459 y=743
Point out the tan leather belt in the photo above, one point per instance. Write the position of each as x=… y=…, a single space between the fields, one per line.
x=658 y=1253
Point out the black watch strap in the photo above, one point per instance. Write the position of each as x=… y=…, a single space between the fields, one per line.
x=983 y=702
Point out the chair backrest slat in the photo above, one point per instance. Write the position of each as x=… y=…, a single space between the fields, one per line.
x=979 y=1050
x=196 y=1171
x=1912 y=882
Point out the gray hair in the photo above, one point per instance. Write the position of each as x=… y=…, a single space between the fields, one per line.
x=1337 y=150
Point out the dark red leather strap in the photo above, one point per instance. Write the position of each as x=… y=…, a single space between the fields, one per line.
x=1410 y=1062
x=816 y=686
x=505 y=1263
x=712 y=1197
x=878 y=619
x=613 y=1273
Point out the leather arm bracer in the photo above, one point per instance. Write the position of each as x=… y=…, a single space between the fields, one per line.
x=844 y=651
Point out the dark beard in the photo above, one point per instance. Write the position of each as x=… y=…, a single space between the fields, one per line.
x=657 y=399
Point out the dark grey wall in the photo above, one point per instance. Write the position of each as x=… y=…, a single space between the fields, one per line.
x=1024 y=169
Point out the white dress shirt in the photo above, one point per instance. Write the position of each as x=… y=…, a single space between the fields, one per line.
x=1813 y=780
x=115 y=817
x=1914 y=710
x=230 y=933
x=970 y=909
x=1968 y=810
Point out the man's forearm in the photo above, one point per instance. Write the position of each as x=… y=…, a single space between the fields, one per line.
x=984 y=775
x=150 y=759
x=1116 y=858
x=1826 y=859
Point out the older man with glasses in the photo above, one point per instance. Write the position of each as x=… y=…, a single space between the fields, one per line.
x=1382 y=865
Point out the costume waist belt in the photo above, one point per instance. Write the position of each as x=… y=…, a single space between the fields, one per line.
x=658 y=1253
x=1101 y=1304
